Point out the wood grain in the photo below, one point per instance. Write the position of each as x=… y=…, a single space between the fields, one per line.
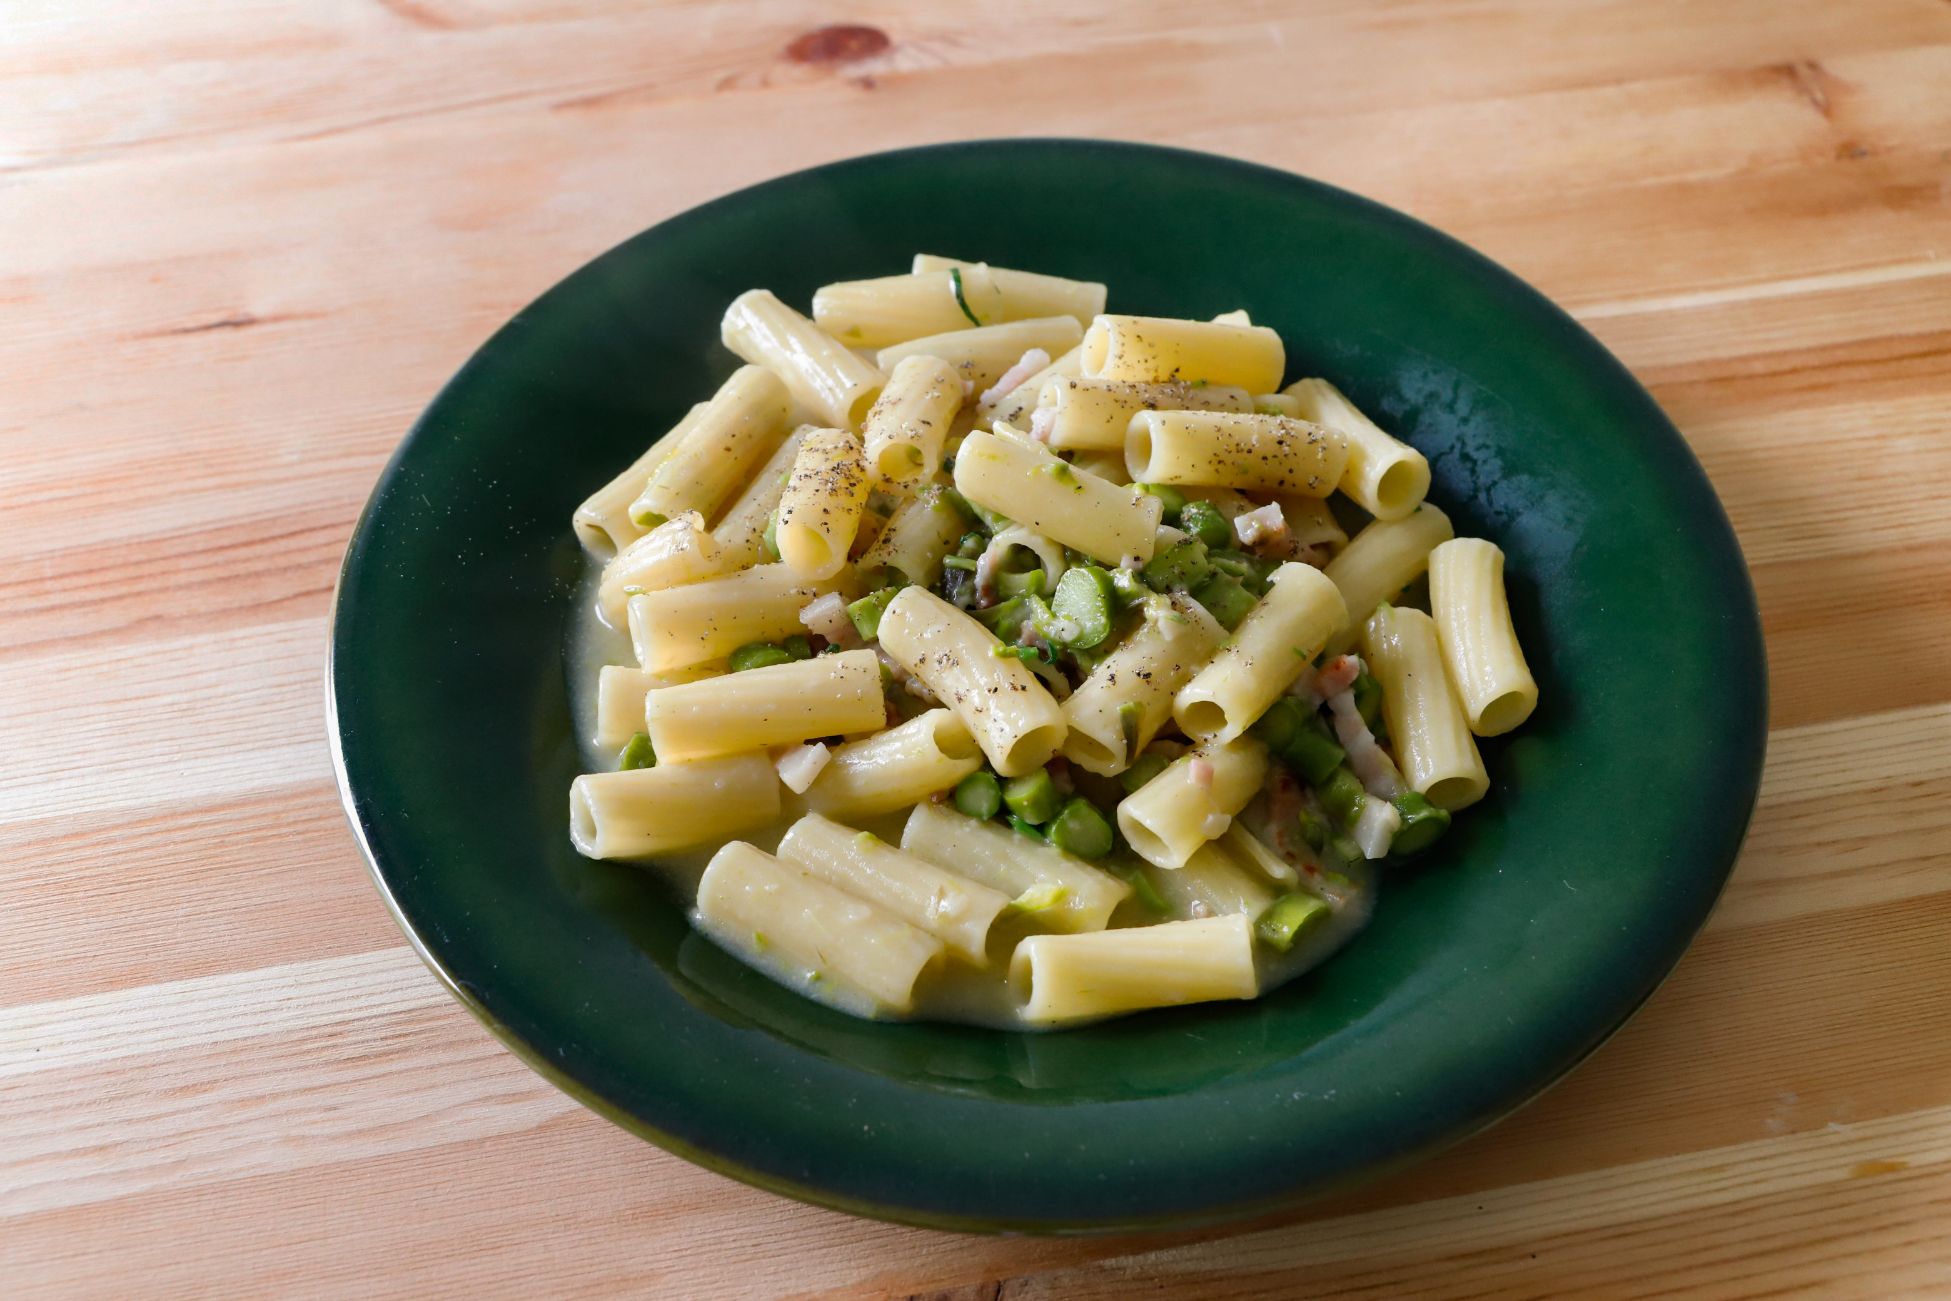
x=221 y=1070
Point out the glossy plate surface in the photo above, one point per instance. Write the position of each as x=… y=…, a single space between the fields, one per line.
x=1536 y=928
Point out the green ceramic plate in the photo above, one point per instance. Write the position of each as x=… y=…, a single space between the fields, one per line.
x=1543 y=921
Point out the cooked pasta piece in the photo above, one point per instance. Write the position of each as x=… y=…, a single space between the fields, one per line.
x=1068 y=893
x=955 y=910
x=829 y=695
x=602 y=523
x=645 y=811
x=1193 y=801
x=1311 y=524
x=1109 y=466
x=1213 y=884
x=818 y=370
x=1250 y=852
x=1277 y=404
x=1079 y=977
x=1228 y=450
x=1155 y=349
x=1026 y=482
x=1008 y=711
x=981 y=354
x=1385 y=476
x=1380 y=561
x=1015 y=407
x=814 y=932
x=738 y=429
x=895 y=769
x=620 y=692
x=680 y=626
x=1427 y=727
x=921 y=531
x=905 y=428
x=1122 y=703
x=740 y=532
x=1093 y=414
x=820 y=510
x=1276 y=642
x=1480 y=646
x=676 y=552
x=946 y=296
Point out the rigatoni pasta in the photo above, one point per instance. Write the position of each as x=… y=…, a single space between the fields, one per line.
x=1021 y=685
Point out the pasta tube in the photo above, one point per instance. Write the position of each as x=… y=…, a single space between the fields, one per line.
x=737 y=430
x=1430 y=735
x=603 y=524
x=812 y=931
x=1006 y=708
x=981 y=355
x=893 y=309
x=1213 y=884
x=1480 y=647
x=1154 y=349
x=895 y=769
x=1384 y=476
x=676 y=552
x=817 y=369
x=1117 y=710
x=1279 y=639
x=1380 y=561
x=1015 y=406
x=820 y=509
x=740 y=534
x=829 y=695
x=687 y=625
x=1193 y=801
x=1228 y=450
x=1078 y=977
x=1093 y=414
x=645 y=811
x=954 y=909
x=921 y=531
x=905 y=427
x=1080 y=897
x=1024 y=481
x=620 y=692
x=1311 y=524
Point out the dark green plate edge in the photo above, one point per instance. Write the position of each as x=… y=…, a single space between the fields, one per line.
x=1746 y=700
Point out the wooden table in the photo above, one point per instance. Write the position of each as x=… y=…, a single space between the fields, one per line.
x=242 y=244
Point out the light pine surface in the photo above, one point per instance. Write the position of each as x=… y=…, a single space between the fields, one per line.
x=242 y=242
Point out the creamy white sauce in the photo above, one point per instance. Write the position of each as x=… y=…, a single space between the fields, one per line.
x=954 y=990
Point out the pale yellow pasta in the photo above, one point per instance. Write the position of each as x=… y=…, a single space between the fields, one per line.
x=680 y=626
x=1226 y=449
x=1093 y=414
x=1238 y=316
x=1274 y=645
x=1380 y=561
x=643 y=811
x=1117 y=710
x=676 y=552
x=828 y=695
x=818 y=370
x=1311 y=524
x=1427 y=728
x=602 y=523
x=620 y=692
x=1005 y=706
x=922 y=530
x=820 y=510
x=892 y=309
x=1029 y=484
x=1385 y=476
x=1480 y=646
x=1154 y=349
x=740 y=532
x=895 y=769
x=1193 y=801
x=1109 y=466
x=952 y=908
x=843 y=950
x=1068 y=894
x=1277 y=404
x=1250 y=852
x=981 y=354
x=1213 y=884
x=738 y=429
x=1078 y=977
x=905 y=428
x=1015 y=406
